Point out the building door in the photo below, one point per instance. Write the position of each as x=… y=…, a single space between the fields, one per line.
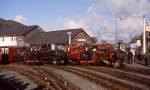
x=5 y=52
x=0 y=55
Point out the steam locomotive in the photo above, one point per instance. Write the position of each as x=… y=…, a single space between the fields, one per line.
x=94 y=55
x=77 y=54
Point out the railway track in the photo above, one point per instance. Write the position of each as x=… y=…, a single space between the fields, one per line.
x=102 y=79
x=135 y=79
x=115 y=79
x=54 y=80
x=5 y=85
x=45 y=78
x=30 y=73
x=136 y=70
x=131 y=76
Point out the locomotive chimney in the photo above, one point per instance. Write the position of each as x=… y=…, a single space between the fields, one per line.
x=69 y=36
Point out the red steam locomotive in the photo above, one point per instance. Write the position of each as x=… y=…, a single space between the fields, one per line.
x=92 y=54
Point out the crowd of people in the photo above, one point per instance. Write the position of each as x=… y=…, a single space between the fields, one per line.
x=132 y=55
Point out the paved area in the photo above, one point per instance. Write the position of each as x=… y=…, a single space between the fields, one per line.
x=136 y=65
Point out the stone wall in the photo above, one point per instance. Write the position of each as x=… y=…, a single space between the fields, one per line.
x=29 y=37
x=81 y=38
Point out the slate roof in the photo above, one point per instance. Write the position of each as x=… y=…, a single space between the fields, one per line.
x=13 y=28
x=54 y=37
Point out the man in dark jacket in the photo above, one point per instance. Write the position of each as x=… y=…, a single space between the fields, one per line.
x=129 y=56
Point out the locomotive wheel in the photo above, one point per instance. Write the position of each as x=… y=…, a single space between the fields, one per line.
x=116 y=64
x=70 y=61
x=66 y=62
x=55 y=62
x=61 y=62
x=73 y=62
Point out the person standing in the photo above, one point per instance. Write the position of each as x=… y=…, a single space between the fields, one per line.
x=133 y=55
x=129 y=56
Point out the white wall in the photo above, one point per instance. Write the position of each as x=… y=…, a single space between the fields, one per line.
x=11 y=41
x=8 y=41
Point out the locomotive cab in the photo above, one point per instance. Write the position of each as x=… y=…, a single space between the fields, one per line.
x=81 y=54
x=106 y=54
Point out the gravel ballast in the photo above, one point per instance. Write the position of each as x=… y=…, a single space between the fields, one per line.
x=77 y=80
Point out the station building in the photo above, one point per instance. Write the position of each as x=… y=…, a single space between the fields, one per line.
x=12 y=35
x=15 y=38
x=60 y=38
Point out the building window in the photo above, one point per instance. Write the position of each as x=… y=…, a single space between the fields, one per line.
x=13 y=38
x=7 y=39
x=1 y=38
x=5 y=50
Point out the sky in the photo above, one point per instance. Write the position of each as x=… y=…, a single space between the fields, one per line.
x=97 y=17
